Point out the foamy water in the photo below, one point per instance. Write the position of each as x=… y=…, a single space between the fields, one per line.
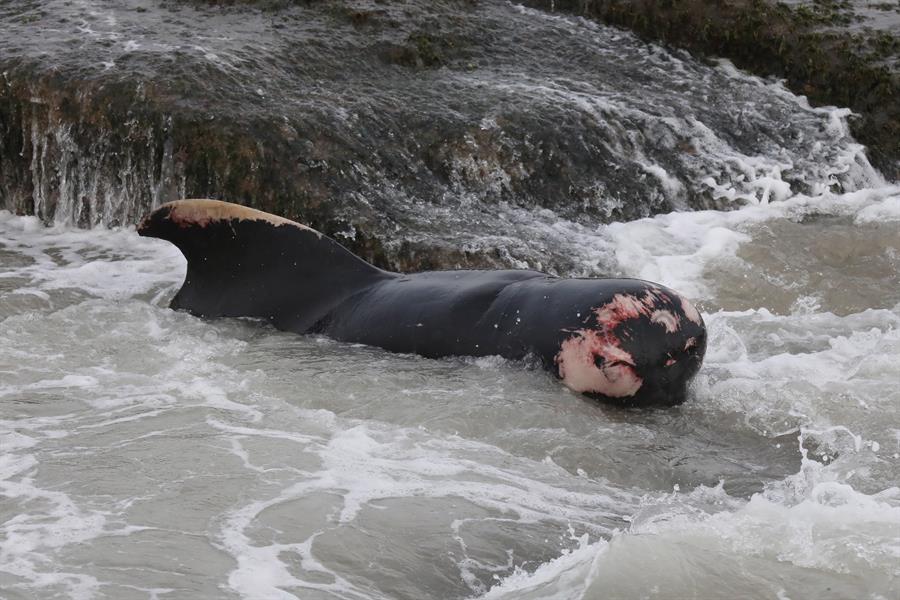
x=150 y=454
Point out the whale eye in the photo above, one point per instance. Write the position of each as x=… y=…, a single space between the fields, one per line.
x=599 y=360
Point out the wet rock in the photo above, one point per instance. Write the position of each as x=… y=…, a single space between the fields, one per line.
x=418 y=133
x=835 y=52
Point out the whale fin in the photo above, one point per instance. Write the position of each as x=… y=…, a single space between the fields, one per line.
x=244 y=262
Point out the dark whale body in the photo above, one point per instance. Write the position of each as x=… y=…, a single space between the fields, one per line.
x=625 y=340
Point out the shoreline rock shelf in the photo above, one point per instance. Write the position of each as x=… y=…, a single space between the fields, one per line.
x=835 y=52
x=421 y=134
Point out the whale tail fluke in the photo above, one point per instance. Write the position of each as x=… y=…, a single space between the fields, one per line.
x=244 y=262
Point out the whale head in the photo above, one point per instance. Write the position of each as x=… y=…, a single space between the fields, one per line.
x=639 y=348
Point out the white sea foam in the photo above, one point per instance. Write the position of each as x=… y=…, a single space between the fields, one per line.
x=677 y=248
x=802 y=374
x=147 y=451
x=152 y=377
x=568 y=576
x=51 y=521
x=884 y=211
x=685 y=545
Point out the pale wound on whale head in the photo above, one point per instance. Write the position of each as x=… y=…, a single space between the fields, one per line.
x=631 y=306
x=691 y=312
x=624 y=306
x=650 y=304
x=593 y=362
x=666 y=319
x=202 y=212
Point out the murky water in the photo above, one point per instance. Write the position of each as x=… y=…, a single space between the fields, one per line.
x=150 y=454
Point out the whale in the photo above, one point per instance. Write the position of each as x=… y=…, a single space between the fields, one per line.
x=624 y=341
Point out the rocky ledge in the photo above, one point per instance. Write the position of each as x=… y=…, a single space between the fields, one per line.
x=420 y=133
x=835 y=52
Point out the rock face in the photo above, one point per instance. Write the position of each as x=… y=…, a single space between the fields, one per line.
x=838 y=52
x=421 y=134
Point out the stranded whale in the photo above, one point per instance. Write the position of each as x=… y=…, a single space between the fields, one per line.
x=623 y=340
